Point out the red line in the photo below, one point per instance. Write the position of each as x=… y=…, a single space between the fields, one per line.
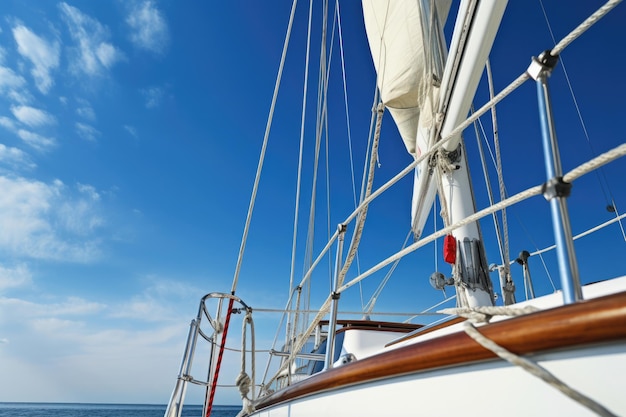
x=219 y=358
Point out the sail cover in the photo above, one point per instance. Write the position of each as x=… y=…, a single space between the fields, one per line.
x=395 y=31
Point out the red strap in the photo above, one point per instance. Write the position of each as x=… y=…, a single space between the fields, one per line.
x=219 y=358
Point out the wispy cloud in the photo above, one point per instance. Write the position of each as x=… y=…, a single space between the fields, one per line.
x=87 y=132
x=14 y=277
x=131 y=129
x=94 y=54
x=8 y=123
x=152 y=96
x=48 y=221
x=10 y=81
x=36 y=141
x=78 y=215
x=15 y=158
x=75 y=350
x=85 y=110
x=43 y=55
x=149 y=29
x=31 y=116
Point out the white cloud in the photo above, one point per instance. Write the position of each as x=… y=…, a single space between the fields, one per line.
x=88 y=190
x=36 y=141
x=107 y=54
x=153 y=96
x=85 y=110
x=15 y=277
x=149 y=28
x=154 y=304
x=31 y=116
x=9 y=80
x=94 y=54
x=87 y=132
x=8 y=124
x=15 y=158
x=79 y=215
x=131 y=129
x=74 y=306
x=83 y=339
x=48 y=221
x=43 y=54
x=21 y=96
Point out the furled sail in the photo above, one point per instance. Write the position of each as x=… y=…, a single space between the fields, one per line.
x=395 y=31
x=409 y=63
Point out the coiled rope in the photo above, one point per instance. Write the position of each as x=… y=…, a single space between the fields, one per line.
x=244 y=382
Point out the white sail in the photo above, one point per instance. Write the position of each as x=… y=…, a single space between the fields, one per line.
x=397 y=33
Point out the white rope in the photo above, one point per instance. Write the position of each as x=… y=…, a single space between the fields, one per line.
x=348 y=130
x=358 y=230
x=536 y=370
x=303 y=338
x=595 y=163
x=590 y=21
x=244 y=382
x=409 y=168
x=606 y=189
x=585 y=168
x=482 y=314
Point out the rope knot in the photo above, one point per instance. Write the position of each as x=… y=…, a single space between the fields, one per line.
x=217 y=325
x=243 y=382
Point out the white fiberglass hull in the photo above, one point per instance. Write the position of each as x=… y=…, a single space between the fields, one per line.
x=596 y=372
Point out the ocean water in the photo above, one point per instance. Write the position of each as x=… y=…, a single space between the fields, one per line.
x=105 y=410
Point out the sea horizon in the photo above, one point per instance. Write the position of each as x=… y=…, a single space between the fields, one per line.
x=80 y=409
x=108 y=403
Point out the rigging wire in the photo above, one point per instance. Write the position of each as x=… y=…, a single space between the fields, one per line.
x=348 y=124
x=266 y=135
x=478 y=128
x=519 y=221
x=327 y=156
x=583 y=234
x=367 y=310
x=500 y=229
x=601 y=175
x=320 y=115
x=300 y=156
x=496 y=139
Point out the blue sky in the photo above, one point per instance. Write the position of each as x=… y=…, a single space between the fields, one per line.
x=129 y=133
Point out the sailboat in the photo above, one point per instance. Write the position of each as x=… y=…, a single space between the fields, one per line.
x=484 y=347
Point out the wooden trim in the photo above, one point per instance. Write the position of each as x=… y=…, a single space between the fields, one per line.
x=374 y=325
x=587 y=322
